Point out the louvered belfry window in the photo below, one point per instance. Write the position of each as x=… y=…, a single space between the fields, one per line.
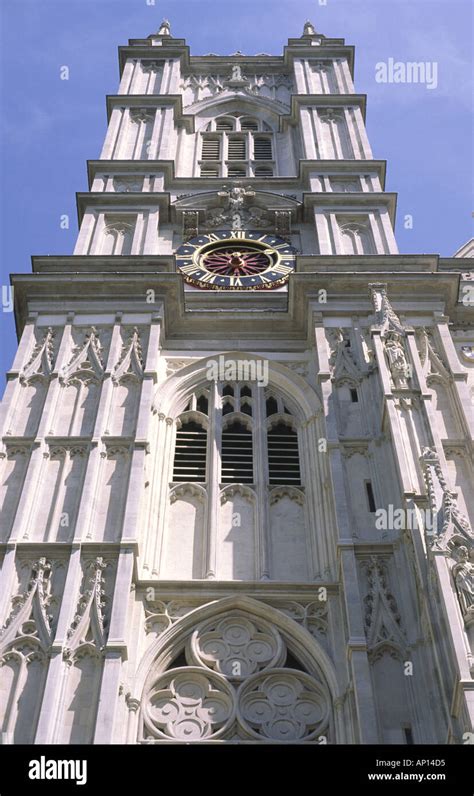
x=237 y=455
x=237 y=149
x=283 y=456
x=239 y=445
x=233 y=146
x=211 y=149
x=190 y=453
x=262 y=148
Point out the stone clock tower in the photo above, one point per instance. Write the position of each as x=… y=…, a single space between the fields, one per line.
x=235 y=439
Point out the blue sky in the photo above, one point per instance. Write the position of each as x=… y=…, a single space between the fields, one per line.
x=51 y=127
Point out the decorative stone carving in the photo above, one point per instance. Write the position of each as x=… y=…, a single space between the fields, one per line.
x=385 y=316
x=87 y=630
x=452 y=527
x=193 y=490
x=467 y=352
x=30 y=617
x=86 y=365
x=397 y=362
x=190 y=224
x=285 y=705
x=237 y=79
x=342 y=361
x=331 y=115
x=301 y=368
x=151 y=66
x=345 y=186
x=127 y=185
x=139 y=115
x=382 y=618
x=309 y=29
x=236 y=647
x=291 y=492
x=116 y=228
x=272 y=87
x=165 y=28
x=40 y=365
x=173 y=365
x=434 y=368
x=189 y=705
x=392 y=334
x=463 y=575
x=231 y=490
x=130 y=364
x=160 y=615
x=313 y=615
x=283 y=223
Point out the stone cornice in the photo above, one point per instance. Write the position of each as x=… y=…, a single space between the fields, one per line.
x=261 y=315
x=177 y=48
x=295 y=183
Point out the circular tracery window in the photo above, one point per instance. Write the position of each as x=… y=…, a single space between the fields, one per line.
x=235 y=688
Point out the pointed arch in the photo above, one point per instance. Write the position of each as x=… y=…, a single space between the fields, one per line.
x=299 y=641
x=173 y=395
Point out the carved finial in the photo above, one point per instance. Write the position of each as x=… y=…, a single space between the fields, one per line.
x=309 y=29
x=165 y=28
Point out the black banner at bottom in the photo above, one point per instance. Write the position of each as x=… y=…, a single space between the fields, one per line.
x=381 y=769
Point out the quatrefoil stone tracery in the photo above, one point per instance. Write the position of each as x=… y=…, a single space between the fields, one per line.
x=189 y=705
x=236 y=647
x=284 y=705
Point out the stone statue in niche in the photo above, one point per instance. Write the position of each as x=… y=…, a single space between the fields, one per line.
x=463 y=574
x=397 y=362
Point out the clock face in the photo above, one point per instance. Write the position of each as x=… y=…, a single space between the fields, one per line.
x=236 y=260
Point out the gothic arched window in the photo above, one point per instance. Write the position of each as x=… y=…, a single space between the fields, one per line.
x=237 y=453
x=235 y=146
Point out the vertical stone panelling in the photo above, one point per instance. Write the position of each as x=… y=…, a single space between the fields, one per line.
x=13 y=466
x=236 y=542
x=184 y=535
x=83 y=683
x=27 y=415
x=107 y=520
x=289 y=549
x=124 y=409
x=393 y=711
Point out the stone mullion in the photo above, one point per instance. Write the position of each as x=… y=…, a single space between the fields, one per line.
x=214 y=442
x=262 y=517
x=160 y=501
x=315 y=520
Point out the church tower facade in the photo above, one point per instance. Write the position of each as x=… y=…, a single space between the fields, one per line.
x=236 y=438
